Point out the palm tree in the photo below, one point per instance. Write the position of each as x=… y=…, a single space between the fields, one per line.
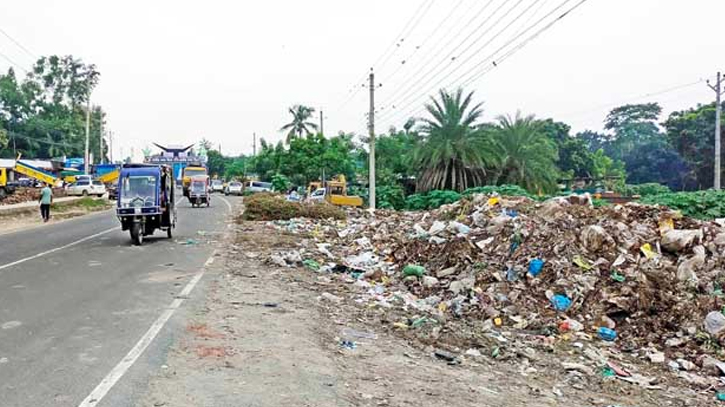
x=453 y=151
x=299 y=124
x=527 y=156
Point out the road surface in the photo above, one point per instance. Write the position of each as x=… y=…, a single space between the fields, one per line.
x=76 y=297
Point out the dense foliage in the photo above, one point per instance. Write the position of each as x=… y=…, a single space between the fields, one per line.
x=707 y=204
x=43 y=115
x=645 y=189
x=453 y=152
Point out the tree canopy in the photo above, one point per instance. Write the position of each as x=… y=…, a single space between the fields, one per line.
x=44 y=114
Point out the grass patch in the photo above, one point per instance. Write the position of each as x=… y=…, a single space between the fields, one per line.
x=268 y=206
x=87 y=204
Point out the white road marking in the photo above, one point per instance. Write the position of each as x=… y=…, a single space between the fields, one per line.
x=227 y=202
x=47 y=252
x=132 y=356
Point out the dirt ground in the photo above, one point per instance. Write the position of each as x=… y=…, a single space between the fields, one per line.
x=266 y=336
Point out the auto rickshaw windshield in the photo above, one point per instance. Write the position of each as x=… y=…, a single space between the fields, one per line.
x=138 y=190
x=198 y=186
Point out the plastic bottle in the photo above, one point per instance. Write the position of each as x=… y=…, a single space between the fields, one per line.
x=607 y=334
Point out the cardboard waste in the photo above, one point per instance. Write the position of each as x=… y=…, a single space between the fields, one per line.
x=630 y=278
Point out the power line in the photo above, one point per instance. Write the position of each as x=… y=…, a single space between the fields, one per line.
x=403 y=34
x=512 y=51
x=37 y=140
x=357 y=86
x=409 y=97
x=634 y=98
x=523 y=43
x=21 y=46
x=7 y=58
x=412 y=80
x=432 y=33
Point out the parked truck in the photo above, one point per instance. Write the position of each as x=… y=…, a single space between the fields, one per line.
x=333 y=191
x=5 y=188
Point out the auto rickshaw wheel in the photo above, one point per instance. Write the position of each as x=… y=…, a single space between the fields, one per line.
x=136 y=234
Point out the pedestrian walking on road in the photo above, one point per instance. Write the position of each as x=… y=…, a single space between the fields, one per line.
x=46 y=198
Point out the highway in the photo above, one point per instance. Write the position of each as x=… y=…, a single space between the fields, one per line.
x=76 y=297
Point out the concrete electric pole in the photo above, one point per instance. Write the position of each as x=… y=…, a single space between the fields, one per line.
x=718 y=113
x=254 y=144
x=88 y=133
x=371 y=124
x=101 y=156
x=322 y=124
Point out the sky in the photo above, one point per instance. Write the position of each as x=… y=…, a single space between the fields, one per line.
x=174 y=72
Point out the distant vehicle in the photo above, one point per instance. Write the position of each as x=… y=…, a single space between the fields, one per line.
x=199 y=191
x=217 y=185
x=234 y=188
x=112 y=192
x=6 y=187
x=86 y=187
x=334 y=192
x=258 y=186
x=27 y=183
x=191 y=171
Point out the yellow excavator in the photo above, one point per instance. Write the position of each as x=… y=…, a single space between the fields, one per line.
x=333 y=191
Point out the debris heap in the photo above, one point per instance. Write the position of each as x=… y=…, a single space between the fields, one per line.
x=643 y=277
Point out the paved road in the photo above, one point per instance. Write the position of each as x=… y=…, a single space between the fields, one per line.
x=69 y=316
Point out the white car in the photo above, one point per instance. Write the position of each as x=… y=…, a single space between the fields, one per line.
x=234 y=188
x=86 y=187
x=257 y=186
x=217 y=185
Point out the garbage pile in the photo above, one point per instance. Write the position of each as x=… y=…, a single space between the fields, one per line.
x=21 y=195
x=641 y=278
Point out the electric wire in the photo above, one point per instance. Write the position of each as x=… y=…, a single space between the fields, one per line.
x=359 y=84
x=413 y=78
x=409 y=97
x=507 y=54
x=16 y=42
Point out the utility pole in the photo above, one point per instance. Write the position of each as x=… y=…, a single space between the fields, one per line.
x=322 y=124
x=100 y=143
x=371 y=124
x=718 y=113
x=88 y=132
x=110 y=146
x=254 y=144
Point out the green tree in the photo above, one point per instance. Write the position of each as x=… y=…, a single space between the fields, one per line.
x=237 y=168
x=575 y=159
x=45 y=114
x=453 y=151
x=216 y=162
x=527 y=156
x=3 y=138
x=300 y=123
x=631 y=125
x=691 y=133
x=609 y=170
